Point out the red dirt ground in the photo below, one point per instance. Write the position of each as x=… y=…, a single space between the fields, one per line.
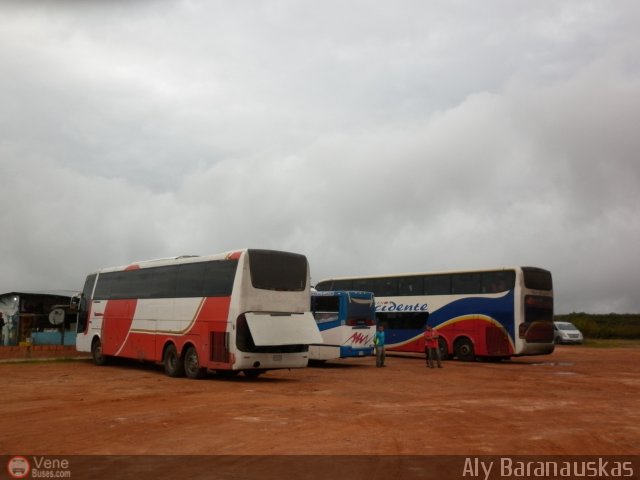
x=576 y=401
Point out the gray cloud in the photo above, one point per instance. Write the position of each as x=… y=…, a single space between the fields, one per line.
x=371 y=137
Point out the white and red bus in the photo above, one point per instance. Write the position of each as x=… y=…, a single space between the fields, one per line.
x=496 y=313
x=246 y=310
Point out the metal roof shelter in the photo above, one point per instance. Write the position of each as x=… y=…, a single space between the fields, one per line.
x=26 y=317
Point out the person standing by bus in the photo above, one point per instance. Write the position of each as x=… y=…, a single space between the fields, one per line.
x=378 y=341
x=431 y=347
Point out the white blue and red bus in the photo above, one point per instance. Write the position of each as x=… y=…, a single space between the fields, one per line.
x=494 y=313
x=246 y=310
x=346 y=321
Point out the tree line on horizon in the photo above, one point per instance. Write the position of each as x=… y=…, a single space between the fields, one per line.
x=611 y=325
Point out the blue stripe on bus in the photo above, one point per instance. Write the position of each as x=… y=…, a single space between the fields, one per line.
x=500 y=309
x=348 y=351
x=328 y=325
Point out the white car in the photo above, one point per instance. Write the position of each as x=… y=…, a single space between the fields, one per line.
x=567 y=332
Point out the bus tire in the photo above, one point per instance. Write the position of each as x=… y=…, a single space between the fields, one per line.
x=444 y=350
x=464 y=350
x=192 y=366
x=96 y=352
x=173 y=364
x=252 y=373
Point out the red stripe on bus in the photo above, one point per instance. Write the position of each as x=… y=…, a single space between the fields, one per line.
x=117 y=319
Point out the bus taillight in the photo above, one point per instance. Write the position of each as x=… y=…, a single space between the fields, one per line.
x=536 y=301
x=359 y=322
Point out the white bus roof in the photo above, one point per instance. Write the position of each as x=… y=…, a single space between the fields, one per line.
x=160 y=262
x=329 y=293
x=414 y=274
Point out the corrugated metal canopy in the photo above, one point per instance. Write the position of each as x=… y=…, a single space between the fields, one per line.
x=50 y=293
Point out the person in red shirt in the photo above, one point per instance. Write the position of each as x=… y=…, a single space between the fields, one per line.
x=431 y=347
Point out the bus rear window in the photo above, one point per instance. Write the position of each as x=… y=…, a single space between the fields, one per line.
x=279 y=271
x=537 y=279
x=325 y=309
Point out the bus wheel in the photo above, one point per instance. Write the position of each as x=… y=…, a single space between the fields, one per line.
x=464 y=350
x=251 y=373
x=192 y=365
x=96 y=352
x=173 y=365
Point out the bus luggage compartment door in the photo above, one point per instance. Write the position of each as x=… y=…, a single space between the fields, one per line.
x=219 y=347
x=497 y=341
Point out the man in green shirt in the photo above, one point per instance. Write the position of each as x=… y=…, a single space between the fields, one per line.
x=379 y=343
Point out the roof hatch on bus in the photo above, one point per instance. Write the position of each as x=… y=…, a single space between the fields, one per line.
x=283 y=329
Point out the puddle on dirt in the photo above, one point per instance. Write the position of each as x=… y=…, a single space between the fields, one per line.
x=248 y=419
x=553 y=364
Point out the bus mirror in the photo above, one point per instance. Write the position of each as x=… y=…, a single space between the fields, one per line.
x=75 y=301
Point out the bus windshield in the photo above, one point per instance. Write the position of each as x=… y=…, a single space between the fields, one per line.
x=325 y=309
x=278 y=271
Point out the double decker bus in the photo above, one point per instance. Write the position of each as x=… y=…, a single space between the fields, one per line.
x=494 y=313
x=346 y=321
x=246 y=310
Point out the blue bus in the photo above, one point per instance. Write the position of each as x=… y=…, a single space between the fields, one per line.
x=346 y=320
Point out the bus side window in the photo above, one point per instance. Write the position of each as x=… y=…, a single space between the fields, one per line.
x=495 y=282
x=437 y=285
x=410 y=286
x=190 y=280
x=386 y=287
x=363 y=285
x=403 y=321
x=340 y=285
x=465 y=283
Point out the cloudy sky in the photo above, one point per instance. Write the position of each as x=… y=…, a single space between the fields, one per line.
x=372 y=136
